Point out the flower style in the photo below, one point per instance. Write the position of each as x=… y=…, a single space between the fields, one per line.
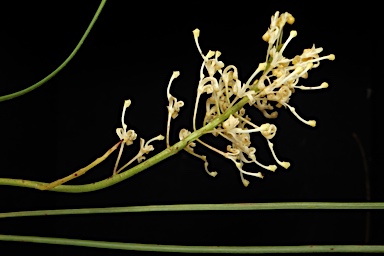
x=278 y=80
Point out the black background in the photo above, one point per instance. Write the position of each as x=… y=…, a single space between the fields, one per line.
x=130 y=54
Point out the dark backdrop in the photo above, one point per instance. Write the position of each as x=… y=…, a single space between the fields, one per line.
x=130 y=54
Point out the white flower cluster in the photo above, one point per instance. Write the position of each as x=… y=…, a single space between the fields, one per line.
x=278 y=80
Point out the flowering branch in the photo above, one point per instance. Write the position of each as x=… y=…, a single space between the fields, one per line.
x=225 y=112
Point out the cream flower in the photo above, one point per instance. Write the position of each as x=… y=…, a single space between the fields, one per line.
x=173 y=105
x=145 y=148
x=127 y=136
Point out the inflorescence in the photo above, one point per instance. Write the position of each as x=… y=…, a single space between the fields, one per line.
x=278 y=78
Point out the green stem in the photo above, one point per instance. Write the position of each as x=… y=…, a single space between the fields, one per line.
x=47 y=78
x=206 y=207
x=134 y=170
x=199 y=249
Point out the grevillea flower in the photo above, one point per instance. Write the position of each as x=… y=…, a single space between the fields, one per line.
x=127 y=138
x=173 y=105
